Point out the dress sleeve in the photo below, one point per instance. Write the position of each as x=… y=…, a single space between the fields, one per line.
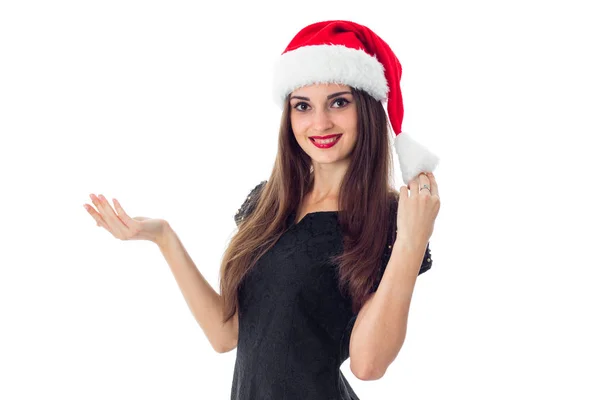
x=249 y=203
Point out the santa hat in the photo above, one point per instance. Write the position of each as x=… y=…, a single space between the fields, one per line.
x=348 y=53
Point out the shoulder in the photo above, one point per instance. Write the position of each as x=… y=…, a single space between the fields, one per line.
x=249 y=203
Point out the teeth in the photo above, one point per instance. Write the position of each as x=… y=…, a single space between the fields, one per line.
x=325 y=141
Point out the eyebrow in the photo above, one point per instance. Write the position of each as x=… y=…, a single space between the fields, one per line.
x=328 y=97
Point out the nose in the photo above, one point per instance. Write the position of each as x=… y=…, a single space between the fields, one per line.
x=322 y=120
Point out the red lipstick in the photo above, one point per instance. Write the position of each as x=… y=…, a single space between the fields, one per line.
x=325 y=145
x=325 y=137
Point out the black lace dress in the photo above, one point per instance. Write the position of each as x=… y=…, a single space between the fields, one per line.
x=294 y=324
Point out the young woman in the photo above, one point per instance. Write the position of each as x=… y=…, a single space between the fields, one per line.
x=327 y=253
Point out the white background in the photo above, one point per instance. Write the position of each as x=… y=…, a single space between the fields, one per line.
x=167 y=107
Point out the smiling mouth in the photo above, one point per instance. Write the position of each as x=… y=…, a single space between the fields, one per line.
x=329 y=140
x=325 y=143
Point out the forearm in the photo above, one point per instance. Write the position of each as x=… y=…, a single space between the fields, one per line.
x=382 y=328
x=203 y=301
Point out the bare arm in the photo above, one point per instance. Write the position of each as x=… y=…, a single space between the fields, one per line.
x=201 y=298
x=381 y=324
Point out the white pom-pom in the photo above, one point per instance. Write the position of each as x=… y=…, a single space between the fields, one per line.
x=413 y=157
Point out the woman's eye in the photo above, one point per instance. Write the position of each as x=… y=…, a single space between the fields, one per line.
x=300 y=104
x=336 y=101
x=344 y=101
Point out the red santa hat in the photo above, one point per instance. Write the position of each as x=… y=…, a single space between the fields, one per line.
x=348 y=53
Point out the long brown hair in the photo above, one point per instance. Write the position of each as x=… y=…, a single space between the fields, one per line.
x=365 y=206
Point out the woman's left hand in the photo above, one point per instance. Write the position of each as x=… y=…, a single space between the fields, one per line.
x=417 y=211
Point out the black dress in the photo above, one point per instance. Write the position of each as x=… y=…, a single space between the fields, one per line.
x=294 y=324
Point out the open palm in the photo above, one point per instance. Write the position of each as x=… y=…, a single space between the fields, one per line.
x=120 y=225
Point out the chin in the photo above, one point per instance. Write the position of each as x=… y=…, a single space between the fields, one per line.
x=330 y=159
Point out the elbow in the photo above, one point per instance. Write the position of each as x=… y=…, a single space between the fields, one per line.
x=223 y=348
x=367 y=371
x=371 y=366
x=220 y=349
x=377 y=374
x=363 y=375
x=225 y=341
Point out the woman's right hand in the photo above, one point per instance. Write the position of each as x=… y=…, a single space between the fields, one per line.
x=121 y=226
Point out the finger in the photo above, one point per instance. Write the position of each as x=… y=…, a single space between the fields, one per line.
x=424 y=180
x=403 y=193
x=122 y=214
x=413 y=186
x=112 y=220
x=97 y=217
x=434 y=185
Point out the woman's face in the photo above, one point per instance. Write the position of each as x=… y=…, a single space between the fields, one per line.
x=323 y=110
